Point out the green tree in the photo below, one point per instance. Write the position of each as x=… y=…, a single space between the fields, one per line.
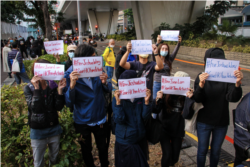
x=10 y=12
x=129 y=14
x=226 y=28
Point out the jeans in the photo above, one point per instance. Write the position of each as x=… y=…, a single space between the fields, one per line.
x=100 y=134
x=156 y=88
x=204 y=132
x=18 y=76
x=110 y=73
x=39 y=148
x=171 y=147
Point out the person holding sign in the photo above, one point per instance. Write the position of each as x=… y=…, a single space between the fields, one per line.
x=71 y=53
x=86 y=97
x=143 y=67
x=167 y=58
x=44 y=98
x=129 y=116
x=213 y=119
x=171 y=108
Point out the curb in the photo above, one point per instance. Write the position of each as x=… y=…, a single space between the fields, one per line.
x=8 y=81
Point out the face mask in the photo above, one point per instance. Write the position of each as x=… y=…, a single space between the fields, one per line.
x=164 y=53
x=71 y=54
x=31 y=41
x=11 y=41
x=9 y=45
x=91 y=41
x=112 y=46
x=75 y=41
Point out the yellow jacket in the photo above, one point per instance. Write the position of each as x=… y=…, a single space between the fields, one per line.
x=109 y=55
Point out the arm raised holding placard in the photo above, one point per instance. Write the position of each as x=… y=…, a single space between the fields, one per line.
x=123 y=63
x=159 y=64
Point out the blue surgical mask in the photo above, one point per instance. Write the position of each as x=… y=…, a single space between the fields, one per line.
x=11 y=41
x=164 y=53
x=71 y=54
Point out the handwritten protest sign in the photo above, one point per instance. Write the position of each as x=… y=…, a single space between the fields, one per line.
x=141 y=47
x=132 y=88
x=175 y=85
x=221 y=70
x=52 y=47
x=49 y=71
x=170 y=35
x=88 y=66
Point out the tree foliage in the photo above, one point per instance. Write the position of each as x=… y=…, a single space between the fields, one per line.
x=226 y=28
x=10 y=12
x=129 y=14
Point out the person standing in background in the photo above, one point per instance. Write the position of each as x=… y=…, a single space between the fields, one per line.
x=6 y=50
x=109 y=57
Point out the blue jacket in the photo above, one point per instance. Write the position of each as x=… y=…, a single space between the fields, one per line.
x=242 y=121
x=12 y=56
x=88 y=105
x=130 y=120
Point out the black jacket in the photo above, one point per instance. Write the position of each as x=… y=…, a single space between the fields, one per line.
x=118 y=69
x=37 y=50
x=43 y=105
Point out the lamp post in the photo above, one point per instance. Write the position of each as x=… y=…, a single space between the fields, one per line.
x=79 y=22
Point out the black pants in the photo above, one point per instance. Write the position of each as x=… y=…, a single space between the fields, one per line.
x=171 y=147
x=240 y=155
x=86 y=144
x=25 y=51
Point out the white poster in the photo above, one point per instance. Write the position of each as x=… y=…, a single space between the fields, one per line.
x=141 y=47
x=54 y=47
x=132 y=88
x=175 y=85
x=88 y=66
x=170 y=35
x=67 y=31
x=221 y=70
x=49 y=71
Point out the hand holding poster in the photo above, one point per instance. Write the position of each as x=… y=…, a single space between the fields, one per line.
x=221 y=70
x=141 y=47
x=175 y=85
x=54 y=47
x=132 y=88
x=49 y=71
x=88 y=66
x=170 y=35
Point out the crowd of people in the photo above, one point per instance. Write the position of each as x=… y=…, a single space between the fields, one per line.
x=86 y=98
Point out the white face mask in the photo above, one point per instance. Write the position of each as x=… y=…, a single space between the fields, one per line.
x=31 y=40
x=91 y=41
x=144 y=55
x=112 y=46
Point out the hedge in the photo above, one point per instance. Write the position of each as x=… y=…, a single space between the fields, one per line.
x=16 y=145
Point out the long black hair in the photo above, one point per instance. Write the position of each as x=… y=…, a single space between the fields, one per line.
x=84 y=50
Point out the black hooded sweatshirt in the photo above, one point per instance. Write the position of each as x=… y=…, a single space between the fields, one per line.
x=215 y=96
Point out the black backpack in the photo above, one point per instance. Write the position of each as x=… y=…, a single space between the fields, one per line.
x=32 y=53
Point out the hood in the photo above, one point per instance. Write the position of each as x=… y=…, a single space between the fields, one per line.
x=215 y=53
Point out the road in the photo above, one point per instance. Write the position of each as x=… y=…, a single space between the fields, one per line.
x=193 y=71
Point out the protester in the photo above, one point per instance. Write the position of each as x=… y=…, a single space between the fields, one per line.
x=170 y=108
x=22 y=47
x=92 y=42
x=118 y=69
x=45 y=40
x=44 y=100
x=29 y=43
x=129 y=116
x=70 y=53
x=6 y=50
x=14 y=53
x=143 y=67
x=109 y=57
x=35 y=50
x=84 y=40
x=40 y=44
x=86 y=97
x=167 y=59
x=213 y=119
